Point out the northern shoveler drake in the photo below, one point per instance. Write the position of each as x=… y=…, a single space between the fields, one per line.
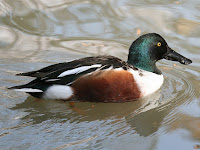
x=105 y=78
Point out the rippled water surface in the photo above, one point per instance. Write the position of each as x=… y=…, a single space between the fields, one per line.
x=34 y=34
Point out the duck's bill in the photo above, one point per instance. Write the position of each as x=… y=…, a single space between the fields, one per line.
x=174 y=56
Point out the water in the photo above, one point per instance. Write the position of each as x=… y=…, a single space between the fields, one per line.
x=35 y=34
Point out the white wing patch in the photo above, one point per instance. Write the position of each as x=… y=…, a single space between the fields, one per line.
x=78 y=70
x=28 y=90
x=50 y=80
x=118 y=69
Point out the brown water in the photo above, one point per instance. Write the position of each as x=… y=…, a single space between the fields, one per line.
x=34 y=34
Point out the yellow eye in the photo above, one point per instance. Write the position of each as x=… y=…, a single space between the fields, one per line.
x=158 y=44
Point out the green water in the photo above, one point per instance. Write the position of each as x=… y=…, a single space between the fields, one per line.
x=34 y=34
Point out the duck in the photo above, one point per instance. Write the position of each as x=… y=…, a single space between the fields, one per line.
x=105 y=78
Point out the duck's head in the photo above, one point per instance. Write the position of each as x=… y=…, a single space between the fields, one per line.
x=146 y=50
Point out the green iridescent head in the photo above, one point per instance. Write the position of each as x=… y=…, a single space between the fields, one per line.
x=146 y=50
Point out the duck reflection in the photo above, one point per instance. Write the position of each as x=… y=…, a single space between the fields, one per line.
x=142 y=115
x=187 y=122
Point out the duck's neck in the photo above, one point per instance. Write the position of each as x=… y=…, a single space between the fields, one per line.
x=141 y=61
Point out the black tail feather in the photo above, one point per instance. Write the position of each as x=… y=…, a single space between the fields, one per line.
x=34 y=94
x=27 y=73
x=17 y=87
x=37 y=94
x=28 y=85
x=35 y=84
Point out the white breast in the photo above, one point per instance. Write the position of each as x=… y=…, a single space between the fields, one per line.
x=148 y=82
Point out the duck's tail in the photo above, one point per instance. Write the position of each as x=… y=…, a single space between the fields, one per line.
x=24 y=88
x=32 y=88
x=29 y=87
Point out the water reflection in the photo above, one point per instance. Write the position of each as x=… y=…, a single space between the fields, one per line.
x=132 y=112
x=84 y=111
x=189 y=123
x=7 y=37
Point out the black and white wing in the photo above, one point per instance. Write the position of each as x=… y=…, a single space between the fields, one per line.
x=67 y=72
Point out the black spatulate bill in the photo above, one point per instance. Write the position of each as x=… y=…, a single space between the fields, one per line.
x=174 y=56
